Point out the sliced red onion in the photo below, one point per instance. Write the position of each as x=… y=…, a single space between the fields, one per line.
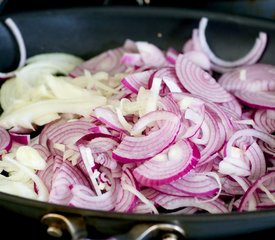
x=142 y=208
x=192 y=184
x=42 y=150
x=173 y=202
x=126 y=200
x=21 y=45
x=151 y=55
x=199 y=58
x=98 y=143
x=48 y=130
x=195 y=114
x=20 y=138
x=250 y=191
x=230 y=186
x=64 y=179
x=197 y=184
x=137 y=80
x=179 y=160
x=263 y=121
x=270 y=184
x=108 y=61
x=167 y=103
x=270 y=114
x=89 y=164
x=260 y=100
x=256 y=77
x=141 y=148
x=235 y=163
x=257 y=160
x=215 y=140
x=106 y=160
x=252 y=57
x=171 y=55
x=67 y=134
x=170 y=190
x=266 y=148
x=185 y=211
x=131 y=59
x=108 y=117
x=5 y=140
x=209 y=165
x=196 y=40
x=100 y=129
x=188 y=46
x=84 y=197
x=199 y=82
x=47 y=175
x=234 y=106
x=130 y=45
x=269 y=139
x=170 y=79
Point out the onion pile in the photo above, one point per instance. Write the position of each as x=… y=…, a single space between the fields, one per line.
x=141 y=130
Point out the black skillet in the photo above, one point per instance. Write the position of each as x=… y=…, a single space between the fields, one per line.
x=87 y=31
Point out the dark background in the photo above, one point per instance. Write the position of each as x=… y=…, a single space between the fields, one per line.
x=257 y=8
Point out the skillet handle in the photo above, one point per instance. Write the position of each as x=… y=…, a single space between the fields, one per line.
x=76 y=226
x=161 y=231
x=58 y=223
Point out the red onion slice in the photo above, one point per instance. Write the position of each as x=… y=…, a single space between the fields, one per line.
x=234 y=106
x=135 y=81
x=108 y=61
x=252 y=57
x=256 y=77
x=131 y=59
x=199 y=82
x=197 y=184
x=65 y=134
x=257 y=160
x=269 y=139
x=173 y=202
x=126 y=200
x=171 y=55
x=133 y=149
x=263 y=121
x=230 y=186
x=5 y=140
x=250 y=191
x=20 y=138
x=192 y=184
x=188 y=46
x=47 y=175
x=179 y=160
x=109 y=118
x=199 y=58
x=83 y=197
x=64 y=179
x=257 y=99
x=151 y=55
